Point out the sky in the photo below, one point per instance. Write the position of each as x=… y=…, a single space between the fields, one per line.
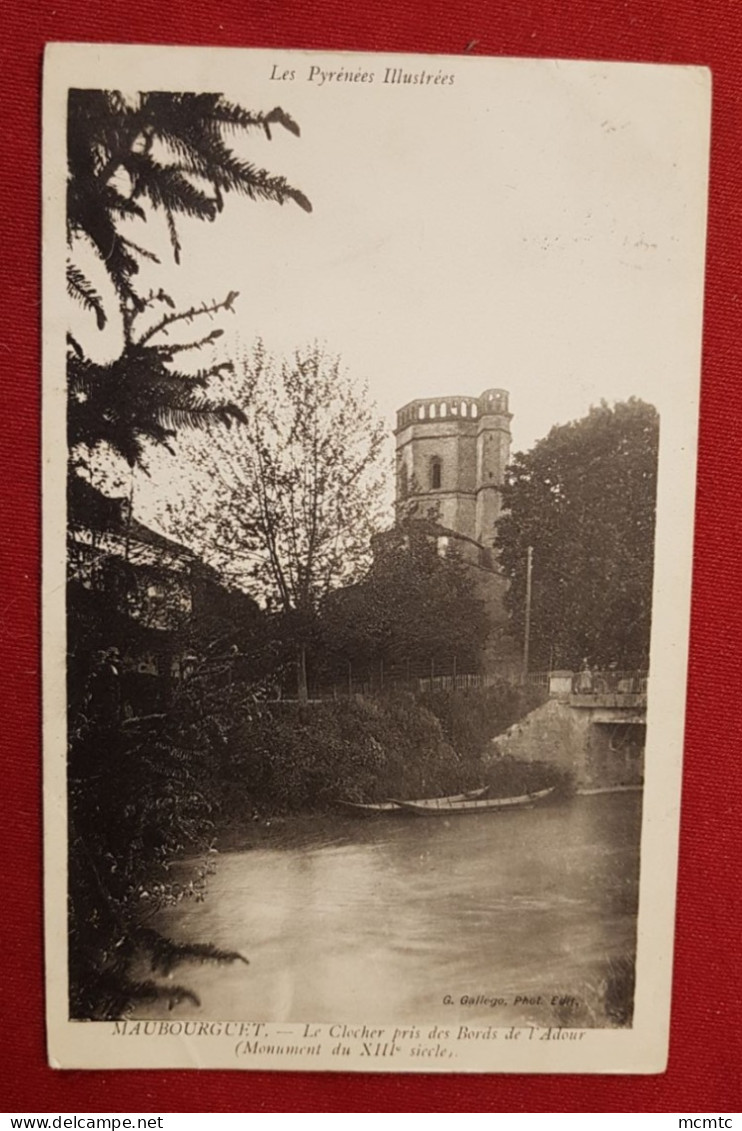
x=531 y=225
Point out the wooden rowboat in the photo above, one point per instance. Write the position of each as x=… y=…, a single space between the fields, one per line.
x=376 y=807
x=399 y=806
x=443 y=806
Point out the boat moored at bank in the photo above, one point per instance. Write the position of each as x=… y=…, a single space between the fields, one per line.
x=445 y=806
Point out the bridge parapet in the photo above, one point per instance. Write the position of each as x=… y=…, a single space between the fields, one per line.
x=611 y=689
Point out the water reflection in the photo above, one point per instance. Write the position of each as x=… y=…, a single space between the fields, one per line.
x=348 y=919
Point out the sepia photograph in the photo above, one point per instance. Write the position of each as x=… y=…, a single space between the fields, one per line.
x=370 y=412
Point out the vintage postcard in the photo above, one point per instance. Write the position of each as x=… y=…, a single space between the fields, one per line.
x=370 y=417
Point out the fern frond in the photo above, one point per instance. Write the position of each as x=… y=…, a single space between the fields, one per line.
x=168 y=352
x=80 y=288
x=143 y=251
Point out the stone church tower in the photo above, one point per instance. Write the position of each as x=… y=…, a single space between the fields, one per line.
x=451 y=458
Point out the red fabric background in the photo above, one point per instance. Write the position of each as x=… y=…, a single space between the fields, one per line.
x=705 y=1053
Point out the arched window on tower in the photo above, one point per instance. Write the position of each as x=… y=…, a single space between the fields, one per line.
x=402 y=483
x=436 y=467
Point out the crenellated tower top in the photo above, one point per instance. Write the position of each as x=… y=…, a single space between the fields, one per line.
x=426 y=409
x=451 y=458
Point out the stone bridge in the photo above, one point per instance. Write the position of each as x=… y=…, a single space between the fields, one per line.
x=593 y=725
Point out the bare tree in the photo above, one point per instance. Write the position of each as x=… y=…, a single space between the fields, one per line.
x=287 y=506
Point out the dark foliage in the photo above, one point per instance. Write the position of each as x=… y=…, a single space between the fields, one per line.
x=157 y=156
x=291 y=758
x=160 y=149
x=584 y=499
x=144 y=788
x=470 y=719
x=166 y=954
x=142 y=395
x=415 y=603
x=108 y=996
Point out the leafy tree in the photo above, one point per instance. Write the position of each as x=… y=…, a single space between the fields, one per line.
x=290 y=509
x=415 y=604
x=160 y=152
x=143 y=395
x=133 y=162
x=584 y=499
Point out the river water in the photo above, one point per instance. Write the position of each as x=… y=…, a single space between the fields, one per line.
x=403 y=919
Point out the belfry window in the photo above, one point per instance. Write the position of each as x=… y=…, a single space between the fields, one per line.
x=435 y=472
